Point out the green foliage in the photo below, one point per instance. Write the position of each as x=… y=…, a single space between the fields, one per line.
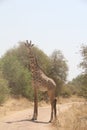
x=74 y=90
x=18 y=76
x=78 y=85
x=21 y=54
x=59 y=66
x=58 y=69
x=4 y=90
x=42 y=59
x=83 y=91
x=16 y=70
x=83 y=63
x=66 y=92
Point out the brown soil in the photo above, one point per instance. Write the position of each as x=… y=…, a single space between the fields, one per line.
x=17 y=114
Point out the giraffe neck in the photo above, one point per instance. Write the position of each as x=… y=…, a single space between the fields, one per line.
x=34 y=67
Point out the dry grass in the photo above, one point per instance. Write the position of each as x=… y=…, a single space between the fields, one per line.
x=14 y=105
x=73 y=119
x=62 y=100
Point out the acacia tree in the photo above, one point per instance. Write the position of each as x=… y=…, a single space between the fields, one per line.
x=18 y=76
x=83 y=64
x=58 y=69
x=16 y=68
x=4 y=89
x=17 y=72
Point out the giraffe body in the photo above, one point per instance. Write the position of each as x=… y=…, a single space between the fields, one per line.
x=44 y=83
x=41 y=82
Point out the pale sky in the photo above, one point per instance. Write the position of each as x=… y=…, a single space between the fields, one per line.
x=50 y=24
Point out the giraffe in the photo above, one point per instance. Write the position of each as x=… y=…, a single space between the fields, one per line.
x=40 y=81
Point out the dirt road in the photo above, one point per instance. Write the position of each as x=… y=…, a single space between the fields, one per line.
x=21 y=120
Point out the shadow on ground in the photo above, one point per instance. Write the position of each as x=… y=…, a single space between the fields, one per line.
x=27 y=120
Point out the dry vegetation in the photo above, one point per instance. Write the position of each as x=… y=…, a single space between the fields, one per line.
x=12 y=105
x=62 y=100
x=73 y=119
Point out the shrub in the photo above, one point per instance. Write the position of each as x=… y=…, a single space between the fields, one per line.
x=4 y=90
x=66 y=92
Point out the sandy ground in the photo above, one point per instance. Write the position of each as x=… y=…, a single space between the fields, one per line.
x=21 y=120
x=15 y=115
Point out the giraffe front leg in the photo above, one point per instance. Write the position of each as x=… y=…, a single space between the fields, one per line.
x=55 y=111
x=34 y=117
x=51 y=118
x=35 y=114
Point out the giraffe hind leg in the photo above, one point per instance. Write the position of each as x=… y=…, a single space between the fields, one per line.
x=55 y=111
x=34 y=117
x=52 y=108
x=51 y=118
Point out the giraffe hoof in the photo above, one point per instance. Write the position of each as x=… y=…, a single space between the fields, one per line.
x=33 y=119
x=50 y=121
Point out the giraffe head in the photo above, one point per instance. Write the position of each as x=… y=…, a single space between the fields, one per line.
x=29 y=45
